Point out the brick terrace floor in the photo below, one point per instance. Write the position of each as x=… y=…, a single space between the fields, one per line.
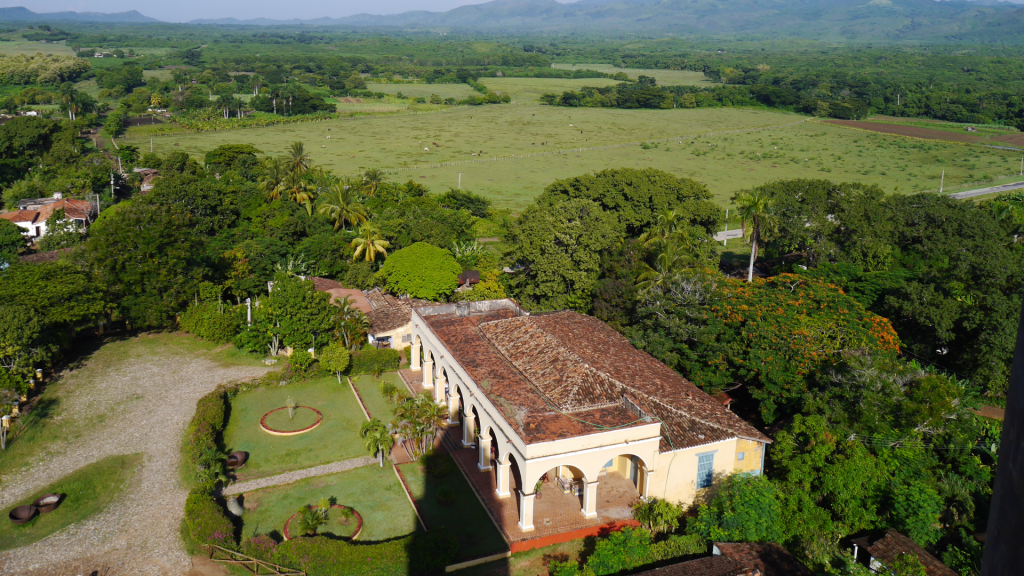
x=554 y=512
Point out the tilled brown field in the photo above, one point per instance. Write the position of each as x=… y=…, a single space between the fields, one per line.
x=916 y=132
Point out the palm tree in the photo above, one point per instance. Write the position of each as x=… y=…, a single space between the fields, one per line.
x=310 y=520
x=298 y=189
x=339 y=203
x=69 y=98
x=369 y=244
x=351 y=325
x=372 y=179
x=376 y=438
x=274 y=172
x=755 y=208
x=671 y=258
x=298 y=159
x=256 y=82
x=667 y=224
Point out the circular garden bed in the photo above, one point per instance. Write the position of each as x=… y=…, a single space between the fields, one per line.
x=343 y=522
x=278 y=423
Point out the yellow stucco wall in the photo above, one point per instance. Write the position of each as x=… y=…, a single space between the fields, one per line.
x=676 y=478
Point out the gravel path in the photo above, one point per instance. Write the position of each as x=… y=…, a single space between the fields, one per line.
x=289 y=477
x=147 y=396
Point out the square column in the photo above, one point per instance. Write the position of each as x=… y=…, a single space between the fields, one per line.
x=504 y=473
x=468 y=429
x=644 y=481
x=414 y=357
x=439 y=387
x=590 y=500
x=428 y=374
x=453 y=408
x=485 y=453
x=526 y=511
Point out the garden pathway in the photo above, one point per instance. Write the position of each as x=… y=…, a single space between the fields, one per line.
x=144 y=392
x=289 y=477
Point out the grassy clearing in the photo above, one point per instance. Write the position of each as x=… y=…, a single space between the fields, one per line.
x=726 y=162
x=336 y=438
x=372 y=491
x=85 y=492
x=68 y=409
x=457 y=91
x=19 y=45
x=662 y=77
x=369 y=390
x=529 y=90
x=465 y=518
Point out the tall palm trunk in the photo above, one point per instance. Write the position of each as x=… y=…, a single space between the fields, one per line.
x=753 y=255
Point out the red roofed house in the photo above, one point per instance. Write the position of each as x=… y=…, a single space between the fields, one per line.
x=881 y=550
x=390 y=319
x=32 y=214
x=563 y=400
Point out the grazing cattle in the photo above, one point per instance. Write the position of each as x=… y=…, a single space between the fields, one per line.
x=436 y=145
x=426 y=149
x=175 y=143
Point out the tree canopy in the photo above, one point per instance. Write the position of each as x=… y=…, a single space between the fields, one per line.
x=421 y=271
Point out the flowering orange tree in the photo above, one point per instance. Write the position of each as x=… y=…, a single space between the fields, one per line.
x=771 y=335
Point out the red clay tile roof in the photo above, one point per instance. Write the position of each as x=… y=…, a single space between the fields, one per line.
x=389 y=313
x=709 y=566
x=325 y=284
x=21 y=215
x=537 y=369
x=887 y=547
x=771 y=559
x=338 y=292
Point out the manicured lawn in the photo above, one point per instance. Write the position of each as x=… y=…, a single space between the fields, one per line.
x=372 y=491
x=85 y=492
x=376 y=404
x=465 y=519
x=530 y=563
x=336 y=438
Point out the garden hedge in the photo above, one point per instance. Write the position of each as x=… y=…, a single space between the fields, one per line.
x=373 y=361
x=207 y=321
x=205 y=518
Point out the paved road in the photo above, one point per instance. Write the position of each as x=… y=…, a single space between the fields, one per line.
x=729 y=235
x=990 y=190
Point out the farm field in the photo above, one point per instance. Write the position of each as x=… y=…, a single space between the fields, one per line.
x=457 y=91
x=937 y=131
x=19 y=45
x=524 y=148
x=529 y=90
x=662 y=77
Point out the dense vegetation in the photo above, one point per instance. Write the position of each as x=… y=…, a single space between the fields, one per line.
x=873 y=323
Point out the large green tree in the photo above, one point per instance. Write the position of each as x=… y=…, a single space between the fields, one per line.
x=421 y=271
x=12 y=242
x=150 y=259
x=635 y=197
x=556 y=250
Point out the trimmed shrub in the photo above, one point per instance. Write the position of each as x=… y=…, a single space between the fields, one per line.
x=300 y=360
x=373 y=361
x=205 y=427
x=207 y=523
x=262 y=546
x=421 y=271
x=207 y=321
x=677 y=547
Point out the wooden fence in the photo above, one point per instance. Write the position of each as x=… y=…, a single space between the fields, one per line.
x=225 y=556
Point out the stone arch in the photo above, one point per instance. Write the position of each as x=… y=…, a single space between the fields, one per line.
x=617 y=465
x=576 y=472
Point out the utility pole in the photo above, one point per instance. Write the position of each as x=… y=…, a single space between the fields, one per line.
x=1022 y=166
x=460 y=180
x=725 y=235
x=111 y=184
x=943 y=181
x=150 y=144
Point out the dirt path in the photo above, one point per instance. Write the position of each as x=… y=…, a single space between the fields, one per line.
x=146 y=400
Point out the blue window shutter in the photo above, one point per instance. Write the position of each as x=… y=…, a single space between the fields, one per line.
x=705 y=469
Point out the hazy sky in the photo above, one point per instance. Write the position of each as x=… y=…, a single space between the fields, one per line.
x=184 y=10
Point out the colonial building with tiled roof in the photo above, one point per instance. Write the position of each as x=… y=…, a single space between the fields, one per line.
x=563 y=395
x=390 y=318
x=33 y=214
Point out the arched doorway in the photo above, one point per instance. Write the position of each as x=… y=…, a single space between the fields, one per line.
x=622 y=480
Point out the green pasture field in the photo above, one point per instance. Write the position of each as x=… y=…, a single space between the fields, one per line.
x=662 y=77
x=336 y=438
x=524 y=148
x=19 y=45
x=457 y=91
x=372 y=491
x=529 y=90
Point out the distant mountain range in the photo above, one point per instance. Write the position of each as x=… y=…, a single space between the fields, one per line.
x=833 y=20
x=22 y=14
